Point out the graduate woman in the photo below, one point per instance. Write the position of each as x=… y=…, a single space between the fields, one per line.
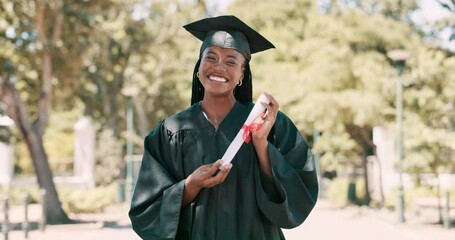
x=184 y=192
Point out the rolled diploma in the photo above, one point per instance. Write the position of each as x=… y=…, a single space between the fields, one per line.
x=238 y=140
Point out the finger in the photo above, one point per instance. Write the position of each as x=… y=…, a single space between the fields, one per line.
x=269 y=110
x=202 y=170
x=264 y=114
x=225 y=171
x=273 y=101
x=214 y=167
x=221 y=176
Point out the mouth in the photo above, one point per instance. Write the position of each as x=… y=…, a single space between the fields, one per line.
x=218 y=79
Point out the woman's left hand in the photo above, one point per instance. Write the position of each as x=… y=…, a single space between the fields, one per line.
x=266 y=120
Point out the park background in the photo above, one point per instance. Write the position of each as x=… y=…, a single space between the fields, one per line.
x=83 y=82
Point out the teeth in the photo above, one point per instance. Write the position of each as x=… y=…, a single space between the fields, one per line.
x=218 y=79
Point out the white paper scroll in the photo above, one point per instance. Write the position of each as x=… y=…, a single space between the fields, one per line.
x=238 y=140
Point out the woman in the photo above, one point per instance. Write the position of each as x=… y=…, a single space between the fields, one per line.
x=271 y=182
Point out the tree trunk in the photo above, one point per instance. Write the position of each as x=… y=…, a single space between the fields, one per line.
x=54 y=211
x=33 y=134
x=16 y=110
x=366 y=146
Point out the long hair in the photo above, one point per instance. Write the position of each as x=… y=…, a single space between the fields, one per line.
x=243 y=93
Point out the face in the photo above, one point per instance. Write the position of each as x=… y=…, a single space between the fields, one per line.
x=220 y=70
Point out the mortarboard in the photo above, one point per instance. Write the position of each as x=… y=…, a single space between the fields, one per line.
x=228 y=32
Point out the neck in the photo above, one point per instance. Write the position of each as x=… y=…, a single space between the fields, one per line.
x=217 y=108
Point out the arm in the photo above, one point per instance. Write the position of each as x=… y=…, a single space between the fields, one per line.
x=260 y=141
x=294 y=175
x=289 y=187
x=155 y=205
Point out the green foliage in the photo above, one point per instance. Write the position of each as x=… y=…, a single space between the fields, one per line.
x=337 y=149
x=5 y=134
x=109 y=158
x=23 y=165
x=73 y=200
x=59 y=141
x=16 y=194
x=337 y=191
x=88 y=201
x=140 y=51
x=430 y=119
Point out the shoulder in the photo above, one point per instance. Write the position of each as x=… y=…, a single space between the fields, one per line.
x=283 y=120
x=187 y=119
x=175 y=123
x=284 y=127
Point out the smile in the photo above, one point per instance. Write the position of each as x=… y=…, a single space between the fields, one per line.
x=218 y=79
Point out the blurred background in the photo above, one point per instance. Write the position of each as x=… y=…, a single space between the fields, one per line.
x=369 y=83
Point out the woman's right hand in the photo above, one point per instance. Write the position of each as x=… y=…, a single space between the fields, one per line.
x=204 y=177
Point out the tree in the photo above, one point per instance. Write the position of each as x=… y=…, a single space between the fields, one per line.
x=447 y=23
x=36 y=36
x=331 y=73
x=32 y=132
x=430 y=104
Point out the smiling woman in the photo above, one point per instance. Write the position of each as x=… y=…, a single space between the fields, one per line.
x=220 y=71
x=270 y=184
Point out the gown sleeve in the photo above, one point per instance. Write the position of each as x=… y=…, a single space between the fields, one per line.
x=156 y=203
x=294 y=177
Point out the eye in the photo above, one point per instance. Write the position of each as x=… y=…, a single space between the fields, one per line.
x=210 y=57
x=231 y=63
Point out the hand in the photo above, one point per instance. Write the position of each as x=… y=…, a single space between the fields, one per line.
x=204 y=176
x=267 y=120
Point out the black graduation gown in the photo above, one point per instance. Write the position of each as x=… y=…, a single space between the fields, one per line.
x=246 y=205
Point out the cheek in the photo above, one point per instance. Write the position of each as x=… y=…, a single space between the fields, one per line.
x=203 y=66
x=239 y=73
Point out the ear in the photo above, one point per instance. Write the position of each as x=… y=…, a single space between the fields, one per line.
x=243 y=72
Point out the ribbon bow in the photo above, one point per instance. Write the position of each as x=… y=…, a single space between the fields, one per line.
x=247 y=129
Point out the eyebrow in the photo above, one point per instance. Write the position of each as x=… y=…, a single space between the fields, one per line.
x=232 y=56
x=229 y=56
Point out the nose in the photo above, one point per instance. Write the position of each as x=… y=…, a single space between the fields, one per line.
x=220 y=66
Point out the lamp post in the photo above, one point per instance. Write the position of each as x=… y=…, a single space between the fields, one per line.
x=129 y=92
x=399 y=57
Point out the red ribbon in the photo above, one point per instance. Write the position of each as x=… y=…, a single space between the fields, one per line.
x=247 y=129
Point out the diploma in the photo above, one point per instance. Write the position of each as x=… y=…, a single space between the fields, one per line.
x=244 y=134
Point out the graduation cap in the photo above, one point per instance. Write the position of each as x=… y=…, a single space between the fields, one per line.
x=228 y=32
